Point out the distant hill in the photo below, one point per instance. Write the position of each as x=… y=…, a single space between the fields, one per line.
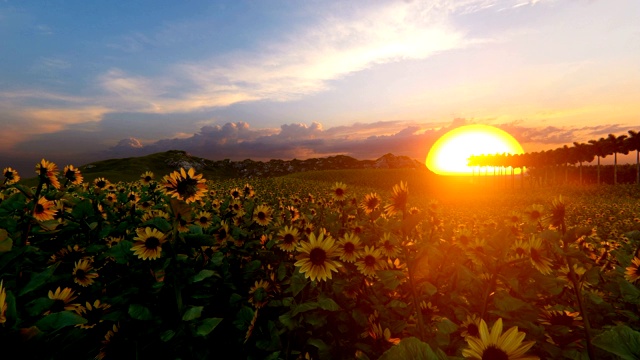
x=163 y=163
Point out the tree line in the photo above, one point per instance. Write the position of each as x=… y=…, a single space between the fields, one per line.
x=542 y=165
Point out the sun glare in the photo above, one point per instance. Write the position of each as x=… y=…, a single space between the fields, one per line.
x=450 y=153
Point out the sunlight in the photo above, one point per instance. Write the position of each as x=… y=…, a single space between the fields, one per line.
x=450 y=153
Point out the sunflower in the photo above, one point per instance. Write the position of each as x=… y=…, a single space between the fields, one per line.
x=109 y=346
x=533 y=214
x=101 y=183
x=148 y=245
x=3 y=303
x=83 y=273
x=44 y=210
x=370 y=203
x=73 y=175
x=222 y=233
x=538 y=260
x=262 y=215
x=93 y=313
x=398 y=199
x=389 y=245
x=471 y=326
x=10 y=176
x=338 y=191
x=248 y=191
x=370 y=261
x=185 y=185
x=496 y=345
x=288 y=238
x=349 y=248
x=560 y=317
x=62 y=299
x=235 y=193
x=48 y=173
x=519 y=249
x=632 y=272
x=147 y=177
x=259 y=293
x=316 y=260
x=294 y=213
x=203 y=219
x=558 y=211
x=133 y=197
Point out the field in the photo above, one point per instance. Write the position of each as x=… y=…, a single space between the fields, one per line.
x=344 y=264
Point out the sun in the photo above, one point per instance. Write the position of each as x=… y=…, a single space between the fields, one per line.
x=450 y=153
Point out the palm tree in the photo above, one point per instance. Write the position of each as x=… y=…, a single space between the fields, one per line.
x=633 y=144
x=582 y=153
x=616 y=145
x=599 y=148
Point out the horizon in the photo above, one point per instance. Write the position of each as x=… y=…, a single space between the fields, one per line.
x=83 y=82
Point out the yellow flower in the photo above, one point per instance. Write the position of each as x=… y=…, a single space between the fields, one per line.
x=83 y=273
x=62 y=298
x=262 y=215
x=101 y=183
x=316 y=260
x=349 y=248
x=399 y=199
x=204 y=219
x=10 y=176
x=147 y=177
x=538 y=260
x=72 y=175
x=632 y=272
x=496 y=345
x=93 y=313
x=185 y=185
x=370 y=203
x=258 y=294
x=338 y=191
x=370 y=262
x=288 y=238
x=148 y=245
x=3 y=303
x=44 y=210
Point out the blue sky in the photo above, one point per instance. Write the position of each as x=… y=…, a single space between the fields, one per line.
x=82 y=80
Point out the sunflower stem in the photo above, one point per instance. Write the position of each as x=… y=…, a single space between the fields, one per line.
x=578 y=293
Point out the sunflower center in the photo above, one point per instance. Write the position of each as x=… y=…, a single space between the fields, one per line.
x=369 y=260
x=317 y=256
x=339 y=192
x=39 y=209
x=204 y=219
x=561 y=319
x=288 y=239
x=152 y=242
x=81 y=274
x=349 y=247
x=100 y=184
x=262 y=215
x=494 y=353
x=187 y=187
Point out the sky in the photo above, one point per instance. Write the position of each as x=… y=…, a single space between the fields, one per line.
x=87 y=80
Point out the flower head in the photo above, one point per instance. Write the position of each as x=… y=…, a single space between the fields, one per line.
x=185 y=185
x=10 y=176
x=399 y=199
x=148 y=245
x=316 y=259
x=496 y=345
x=73 y=175
x=288 y=238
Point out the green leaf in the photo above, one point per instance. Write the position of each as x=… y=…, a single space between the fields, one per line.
x=395 y=303
x=159 y=223
x=82 y=209
x=391 y=278
x=446 y=326
x=139 y=312
x=6 y=243
x=298 y=282
x=328 y=304
x=506 y=302
x=203 y=274
x=192 y=313
x=56 y=321
x=621 y=341
x=304 y=307
x=207 y=326
x=167 y=335
x=629 y=292
x=411 y=348
x=39 y=279
x=429 y=288
x=121 y=252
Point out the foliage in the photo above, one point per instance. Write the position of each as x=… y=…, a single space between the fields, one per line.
x=553 y=262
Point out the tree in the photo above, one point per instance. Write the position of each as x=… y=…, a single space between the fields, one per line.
x=632 y=143
x=600 y=149
x=582 y=153
x=616 y=145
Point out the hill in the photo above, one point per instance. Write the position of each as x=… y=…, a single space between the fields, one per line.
x=162 y=163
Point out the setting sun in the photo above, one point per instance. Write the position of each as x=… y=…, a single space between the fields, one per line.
x=450 y=153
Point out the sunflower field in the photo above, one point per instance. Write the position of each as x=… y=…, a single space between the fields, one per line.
x=367 y=266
